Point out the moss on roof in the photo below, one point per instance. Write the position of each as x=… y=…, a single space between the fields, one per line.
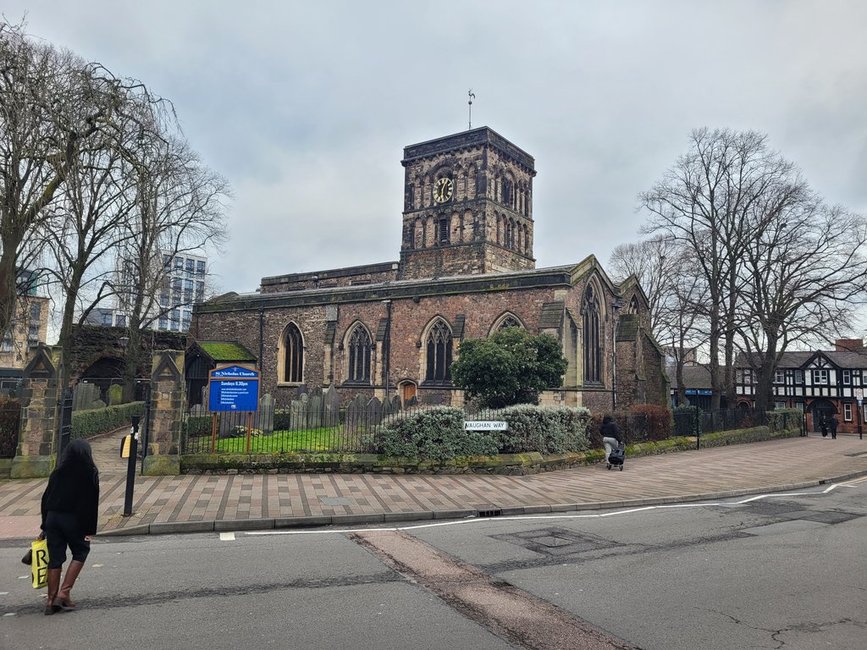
x=225 y=351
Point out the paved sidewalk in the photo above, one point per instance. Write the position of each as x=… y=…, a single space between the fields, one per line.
x=260 y=501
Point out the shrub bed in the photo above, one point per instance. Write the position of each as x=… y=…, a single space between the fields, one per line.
x=438 y=434
x=546 y=429
x=92 y=422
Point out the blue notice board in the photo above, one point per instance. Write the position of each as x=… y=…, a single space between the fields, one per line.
x=233 y=389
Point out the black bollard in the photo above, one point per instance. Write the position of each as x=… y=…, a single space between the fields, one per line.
x=130 y=467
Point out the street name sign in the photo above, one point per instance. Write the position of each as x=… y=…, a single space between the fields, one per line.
x=485 y=425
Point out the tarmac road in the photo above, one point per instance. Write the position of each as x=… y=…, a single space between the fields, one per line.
x=782 y=570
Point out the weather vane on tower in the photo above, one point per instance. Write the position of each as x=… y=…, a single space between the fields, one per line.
x=470 y=102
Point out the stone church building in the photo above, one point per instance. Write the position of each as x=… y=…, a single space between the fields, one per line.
x=466 y=269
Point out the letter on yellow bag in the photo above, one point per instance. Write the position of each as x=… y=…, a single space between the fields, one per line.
x=39 y=567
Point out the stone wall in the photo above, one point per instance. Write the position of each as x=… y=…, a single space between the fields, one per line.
x=342 y=277
x=168 y=399
x=40 y=392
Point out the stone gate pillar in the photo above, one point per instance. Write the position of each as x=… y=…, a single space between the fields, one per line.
x=40 y=394
x=168 y=396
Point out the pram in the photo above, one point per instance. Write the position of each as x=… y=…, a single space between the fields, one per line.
x=616 y=457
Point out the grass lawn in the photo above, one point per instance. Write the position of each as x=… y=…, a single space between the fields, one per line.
x=323 y=439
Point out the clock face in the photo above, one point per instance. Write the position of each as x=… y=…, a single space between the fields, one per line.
x=442 y=190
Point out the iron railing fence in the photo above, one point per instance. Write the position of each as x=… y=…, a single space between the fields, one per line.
x=291 y=430
x=327 y=429
x=687 y=424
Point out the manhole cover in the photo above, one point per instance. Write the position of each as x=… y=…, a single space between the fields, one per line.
x=555 y=541
x=552 y=541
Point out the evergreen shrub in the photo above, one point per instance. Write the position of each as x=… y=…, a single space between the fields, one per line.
x=92 y=422
x=433 y=434
x=783 y=419
x=688 y=420
x=197 y=425
x=546 y=429
x=438 y=433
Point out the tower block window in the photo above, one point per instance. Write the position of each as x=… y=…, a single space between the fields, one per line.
x=592 y=343
x=359 y=356
x=293 y=347
x=439 y=353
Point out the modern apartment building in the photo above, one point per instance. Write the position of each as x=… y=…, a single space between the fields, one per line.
x=29 y=326
x=183 y=285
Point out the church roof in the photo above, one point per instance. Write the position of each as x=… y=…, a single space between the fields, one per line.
x=558 y=276
x=225 y=351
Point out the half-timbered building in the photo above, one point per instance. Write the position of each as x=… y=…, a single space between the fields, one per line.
x=820 y=383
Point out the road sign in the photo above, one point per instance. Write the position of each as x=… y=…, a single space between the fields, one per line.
x=233 y=389
x=485 y=425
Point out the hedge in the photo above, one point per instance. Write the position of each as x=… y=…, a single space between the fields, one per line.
x=546 y=429
x=437 y=434
x=92 y=422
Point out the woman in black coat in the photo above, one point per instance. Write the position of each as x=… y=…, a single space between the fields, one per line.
x=69 y=514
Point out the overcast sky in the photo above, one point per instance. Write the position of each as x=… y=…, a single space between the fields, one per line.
x=305 y=107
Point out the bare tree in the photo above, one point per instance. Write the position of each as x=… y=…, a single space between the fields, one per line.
x=705 y=202
x=805 y=277
x=179 y=208
x=650 y=261
x=85 y=227
x=51 y=104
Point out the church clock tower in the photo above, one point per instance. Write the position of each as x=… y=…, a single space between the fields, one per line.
x=468 y=206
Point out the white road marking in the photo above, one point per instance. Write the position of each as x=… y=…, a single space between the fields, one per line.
x=227 y=537
x=476 y=520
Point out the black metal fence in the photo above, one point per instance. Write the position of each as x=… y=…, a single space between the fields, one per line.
x=311 y=430
x=692 y=423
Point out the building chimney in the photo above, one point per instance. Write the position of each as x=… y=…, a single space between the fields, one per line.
x=849 y=345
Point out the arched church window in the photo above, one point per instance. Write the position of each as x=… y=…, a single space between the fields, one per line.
x=439 y=353
x=633 y=305
x=443 y=230
x=293 y=351
x=592 y=342
x=410 y=197
x=508 y=192
x=509 y=321
x=359 y=355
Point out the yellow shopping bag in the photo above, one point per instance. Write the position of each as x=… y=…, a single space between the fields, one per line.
x=39 y=565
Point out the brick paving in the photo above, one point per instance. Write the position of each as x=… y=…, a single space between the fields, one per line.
x=245 y=501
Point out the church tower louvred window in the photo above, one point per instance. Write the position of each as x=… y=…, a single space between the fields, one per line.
x=439 y=353
x=592 y=342
x=293 y=350
x=359 y=355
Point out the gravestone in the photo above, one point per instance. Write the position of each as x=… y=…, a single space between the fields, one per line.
x=84 y=395
x=374 y=412
x=265 y=416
